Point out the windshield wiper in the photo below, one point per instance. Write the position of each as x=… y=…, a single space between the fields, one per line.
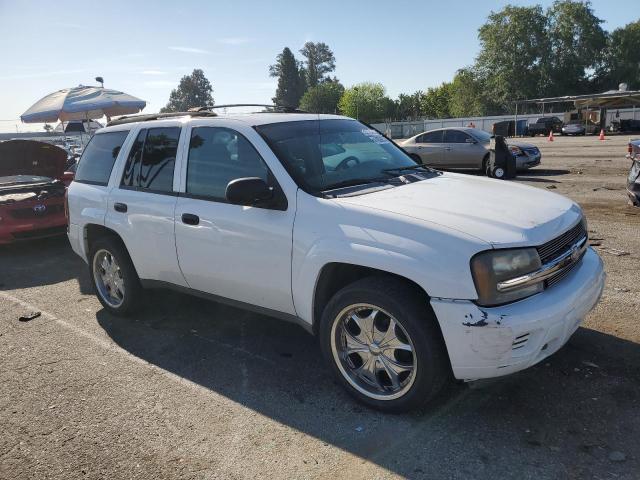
x=410 y=167
x=354 y=182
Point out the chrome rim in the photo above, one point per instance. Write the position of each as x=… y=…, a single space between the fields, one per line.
x=107 y=277
x=373 y=352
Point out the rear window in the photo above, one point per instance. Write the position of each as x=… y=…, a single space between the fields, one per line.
x=99 y=156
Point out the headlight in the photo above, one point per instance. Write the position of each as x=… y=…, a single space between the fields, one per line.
x=515 y=150
x=494 y=266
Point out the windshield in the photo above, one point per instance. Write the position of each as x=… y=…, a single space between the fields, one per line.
x=325 y=154
x=480 y=135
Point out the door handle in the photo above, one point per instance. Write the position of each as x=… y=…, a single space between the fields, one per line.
x=120 y=207
x=190 y=219
x=448 y=149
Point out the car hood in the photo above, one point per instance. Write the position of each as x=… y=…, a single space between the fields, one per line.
x=498 y=212
x=29 y=157
x=522 y=145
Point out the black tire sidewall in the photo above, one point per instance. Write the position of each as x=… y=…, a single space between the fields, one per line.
x=129 y=275
x=419 y=322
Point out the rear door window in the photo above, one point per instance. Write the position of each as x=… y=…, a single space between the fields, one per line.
x=455 y=136
x=430 y=137
x=151 y=161
x=99 y=156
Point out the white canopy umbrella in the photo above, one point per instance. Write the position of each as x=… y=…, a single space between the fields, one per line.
x=82 y=103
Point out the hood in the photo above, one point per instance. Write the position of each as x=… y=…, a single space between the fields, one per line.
x=522 y=145
x=29 y=157
x=498 y=212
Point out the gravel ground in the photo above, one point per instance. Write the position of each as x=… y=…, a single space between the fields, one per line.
x=192 y=389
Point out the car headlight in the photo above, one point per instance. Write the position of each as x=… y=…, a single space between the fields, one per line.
x=494 y=266
x=515 y=150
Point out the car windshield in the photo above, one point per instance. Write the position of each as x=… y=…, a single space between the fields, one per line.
x=480 y=135
x=326 y=154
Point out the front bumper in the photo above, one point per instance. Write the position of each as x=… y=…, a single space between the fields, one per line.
x=491 y=342
x=16 y=230
x=527 y=161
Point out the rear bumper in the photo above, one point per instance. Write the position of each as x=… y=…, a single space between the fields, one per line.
x=491 y=342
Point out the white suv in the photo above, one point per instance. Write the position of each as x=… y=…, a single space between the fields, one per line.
x=408 y=276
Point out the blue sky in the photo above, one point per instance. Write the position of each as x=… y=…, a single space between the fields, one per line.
x=143 y=48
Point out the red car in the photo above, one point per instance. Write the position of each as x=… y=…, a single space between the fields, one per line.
x=31 y=190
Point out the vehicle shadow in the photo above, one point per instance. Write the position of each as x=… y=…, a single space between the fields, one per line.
x=40 y=262
x=559 y=418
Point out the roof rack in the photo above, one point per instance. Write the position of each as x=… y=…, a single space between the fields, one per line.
x=268 y=108
x=159 y=116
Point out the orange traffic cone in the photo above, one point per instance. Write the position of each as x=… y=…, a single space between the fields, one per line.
x=551 y=136
x=602 y=134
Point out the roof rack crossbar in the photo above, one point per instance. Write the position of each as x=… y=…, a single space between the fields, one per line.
x=273 y=108
x=159 y=116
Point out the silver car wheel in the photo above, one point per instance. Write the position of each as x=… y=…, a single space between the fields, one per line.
x=498 y=172
x=373 y=352
x=107 y=277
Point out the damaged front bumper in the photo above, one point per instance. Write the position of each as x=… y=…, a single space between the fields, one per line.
x=491 y=342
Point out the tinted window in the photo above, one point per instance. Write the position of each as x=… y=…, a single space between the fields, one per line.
x=152 y=159
x=218 y=155
x=455 y=136
x=99 y=156
x=430 y=137
x=132 y=167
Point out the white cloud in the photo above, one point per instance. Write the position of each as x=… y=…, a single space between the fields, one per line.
x=234 y=40
x=153 y=72
x=190 y=50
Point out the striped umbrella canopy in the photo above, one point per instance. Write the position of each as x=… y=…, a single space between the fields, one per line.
x=82 y=103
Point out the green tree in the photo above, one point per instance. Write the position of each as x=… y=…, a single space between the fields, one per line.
x=323 y=98
x=290 y=79
x=319 y=61
x=366 y=101
x=513 y=44
x=193 y=91
x=409 y=107
x=467 y=95
x=577 y=43
x=435 y=103
x=622 y=58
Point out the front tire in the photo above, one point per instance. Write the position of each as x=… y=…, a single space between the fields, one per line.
x=382 y=342
x=113 y=276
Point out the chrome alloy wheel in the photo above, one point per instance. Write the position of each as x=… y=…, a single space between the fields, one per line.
x=373 y=352
x=107 y=277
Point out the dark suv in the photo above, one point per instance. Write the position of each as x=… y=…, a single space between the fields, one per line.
x=545 y=125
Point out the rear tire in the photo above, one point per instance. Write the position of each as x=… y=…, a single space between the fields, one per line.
x=416 y=158
x=383 y=344
x=113 y=276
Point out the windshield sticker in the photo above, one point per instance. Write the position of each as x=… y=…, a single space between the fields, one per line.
x=375 y=136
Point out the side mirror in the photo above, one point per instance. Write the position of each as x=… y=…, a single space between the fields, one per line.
x=249 y=191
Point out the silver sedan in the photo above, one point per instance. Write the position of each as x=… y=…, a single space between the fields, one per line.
x=463 y=148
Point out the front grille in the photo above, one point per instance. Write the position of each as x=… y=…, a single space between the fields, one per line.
x=22 y=213
x=559 y=245
x=43 y=232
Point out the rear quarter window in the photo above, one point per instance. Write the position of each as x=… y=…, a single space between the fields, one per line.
x=99 y=156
